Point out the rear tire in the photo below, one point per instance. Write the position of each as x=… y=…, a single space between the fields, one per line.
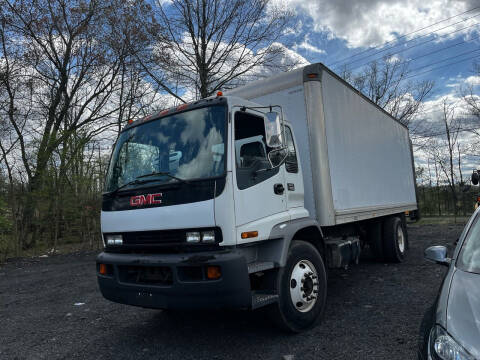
x=302 y=289
x=375 y=240
x=394 y=239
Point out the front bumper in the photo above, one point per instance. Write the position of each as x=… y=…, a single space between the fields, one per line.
x=177 y=291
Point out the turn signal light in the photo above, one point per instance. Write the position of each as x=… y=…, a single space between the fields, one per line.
x=214 y=272
x=249 y=234
x=103 y=269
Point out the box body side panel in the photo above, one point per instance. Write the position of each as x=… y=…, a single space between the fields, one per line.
x=368 y=152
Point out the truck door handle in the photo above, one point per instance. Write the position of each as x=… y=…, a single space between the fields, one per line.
x=278 y=189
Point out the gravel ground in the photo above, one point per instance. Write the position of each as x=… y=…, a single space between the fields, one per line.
x=373 y=312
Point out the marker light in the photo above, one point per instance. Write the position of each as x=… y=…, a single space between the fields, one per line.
x=208 y=237
x=103 y=269
x=214 y=272
x=219 y=93
x=312 y=76
x=115 y=239
x=249 y=234
x=130 y=121
x=193 y=237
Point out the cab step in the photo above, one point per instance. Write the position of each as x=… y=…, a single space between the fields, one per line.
x=260 y=299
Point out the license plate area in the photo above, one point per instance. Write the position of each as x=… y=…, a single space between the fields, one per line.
x=146 y=275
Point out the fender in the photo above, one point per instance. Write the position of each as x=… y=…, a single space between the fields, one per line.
x=275 y=249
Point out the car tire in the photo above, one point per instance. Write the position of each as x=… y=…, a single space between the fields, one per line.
x=394 y=239
x=375 y=240
x=302 y=289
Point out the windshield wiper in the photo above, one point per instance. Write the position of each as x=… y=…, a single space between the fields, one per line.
x=163 y=173
x=138 y=182
x=134 y=182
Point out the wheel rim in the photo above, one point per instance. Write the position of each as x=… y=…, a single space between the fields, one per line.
x=400 y=239
x=304 y=286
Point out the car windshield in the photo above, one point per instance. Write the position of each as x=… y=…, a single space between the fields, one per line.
x=469 y=257
x=187 y=145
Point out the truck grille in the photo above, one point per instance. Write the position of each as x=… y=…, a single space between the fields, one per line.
x=154 y=237
x=162 y=241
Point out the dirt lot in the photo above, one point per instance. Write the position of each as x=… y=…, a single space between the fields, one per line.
x=51 y=308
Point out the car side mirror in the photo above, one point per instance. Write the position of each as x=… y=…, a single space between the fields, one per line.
x=475 y=177
x=437 y=254
x=273 y=129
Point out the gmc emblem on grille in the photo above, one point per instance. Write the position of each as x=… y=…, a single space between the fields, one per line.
x=148 y=199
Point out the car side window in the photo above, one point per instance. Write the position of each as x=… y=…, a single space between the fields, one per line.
x=251 y=150
x=291 y=162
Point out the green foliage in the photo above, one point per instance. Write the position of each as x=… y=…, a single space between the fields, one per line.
x=5 y=221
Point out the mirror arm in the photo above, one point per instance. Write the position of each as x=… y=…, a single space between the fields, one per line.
x=445 y=262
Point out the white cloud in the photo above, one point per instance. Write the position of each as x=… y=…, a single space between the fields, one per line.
x=305 y=44
x=473 y=80
x=364 y=23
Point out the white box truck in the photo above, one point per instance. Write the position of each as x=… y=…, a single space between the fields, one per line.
x=244 y=200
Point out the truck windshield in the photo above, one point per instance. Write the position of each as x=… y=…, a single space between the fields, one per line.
x=188 y=145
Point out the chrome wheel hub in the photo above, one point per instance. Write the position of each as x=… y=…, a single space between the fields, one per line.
x=304 y=286
x=401 y=239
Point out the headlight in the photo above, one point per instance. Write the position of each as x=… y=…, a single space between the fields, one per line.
x=208 y=237
x=443 y=347
x=193 y=237
x=115 y=239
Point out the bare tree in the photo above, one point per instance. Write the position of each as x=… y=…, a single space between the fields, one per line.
x=200 y=46
x=471 y=98
x=446 y=149
x=62 y=65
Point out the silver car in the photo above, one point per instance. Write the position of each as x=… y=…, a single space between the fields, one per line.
x=451 y=327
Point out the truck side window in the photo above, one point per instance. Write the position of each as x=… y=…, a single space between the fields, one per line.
x=251 y=150
x=291 y=162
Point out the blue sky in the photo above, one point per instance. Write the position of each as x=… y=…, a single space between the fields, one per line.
x=440 y=39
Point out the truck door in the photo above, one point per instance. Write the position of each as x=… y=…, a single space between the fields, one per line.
x=260 y=192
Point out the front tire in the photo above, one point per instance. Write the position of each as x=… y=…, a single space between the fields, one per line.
x=302 y=289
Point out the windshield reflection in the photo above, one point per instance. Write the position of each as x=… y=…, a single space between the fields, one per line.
x=188 y=145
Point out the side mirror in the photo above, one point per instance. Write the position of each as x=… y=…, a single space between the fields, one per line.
x=437 y=254
x=273 y=129
x=475 y=177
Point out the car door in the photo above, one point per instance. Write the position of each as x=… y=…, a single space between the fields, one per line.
x=260 y=192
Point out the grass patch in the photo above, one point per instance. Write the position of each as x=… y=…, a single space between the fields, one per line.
x=441 y=220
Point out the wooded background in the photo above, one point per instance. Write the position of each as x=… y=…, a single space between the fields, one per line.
x=73 y=72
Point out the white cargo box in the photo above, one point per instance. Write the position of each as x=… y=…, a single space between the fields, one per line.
x=356 y=158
